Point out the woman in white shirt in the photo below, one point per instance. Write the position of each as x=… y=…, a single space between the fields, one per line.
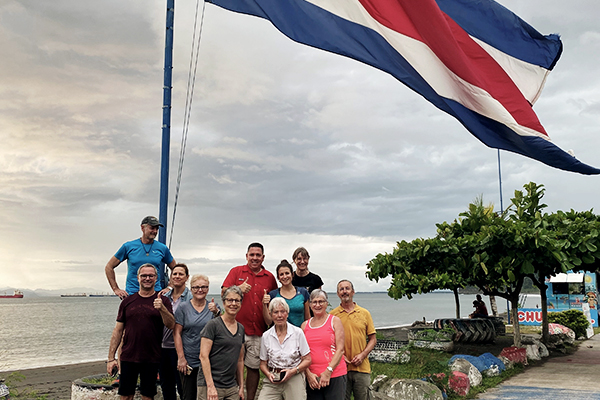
x=284 y=355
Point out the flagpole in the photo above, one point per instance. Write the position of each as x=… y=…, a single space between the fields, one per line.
x=500 y=183
x=166 y=126
x=502 y=212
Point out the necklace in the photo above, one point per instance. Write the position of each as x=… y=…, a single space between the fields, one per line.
x=144 y=246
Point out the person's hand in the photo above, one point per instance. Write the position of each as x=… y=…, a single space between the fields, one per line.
x=212 y=306
x=110 y=366
x=288 y=374
x=182 y=365
x=325 y=377
x=266 y=298
x=241 y=393
x=164 y=291
x=245 y=286
x=121 y=293
x=158 y=304
x=358 y=359
x=313 y=380
x=211 y=393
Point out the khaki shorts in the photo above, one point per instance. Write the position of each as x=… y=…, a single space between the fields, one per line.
x=223 y=394
x=252 y=347
x=294 y=388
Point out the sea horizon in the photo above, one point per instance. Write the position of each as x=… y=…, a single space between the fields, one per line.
x=51 y=331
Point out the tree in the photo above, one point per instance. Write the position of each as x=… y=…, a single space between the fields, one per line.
x=420 y=266
x=494 y=252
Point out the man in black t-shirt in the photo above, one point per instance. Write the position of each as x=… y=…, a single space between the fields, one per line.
x=140 y=322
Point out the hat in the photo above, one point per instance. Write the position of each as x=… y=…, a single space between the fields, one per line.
x=152 y=221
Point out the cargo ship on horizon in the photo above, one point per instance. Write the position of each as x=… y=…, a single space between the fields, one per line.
x=16 y=295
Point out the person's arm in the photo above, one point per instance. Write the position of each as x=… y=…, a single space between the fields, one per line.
x=240 y=373
x=205 y=347
x=232 y=278
x=266 y=315
x=109 y=270
x=360 y=357
x=181 y=361
x=169 y=284
x=312 y=379
x=339 y=351
x=304 y=363
x=166 y=315
x=265 y=370
x=115 y=341
x=306 y=311
x=214 y=308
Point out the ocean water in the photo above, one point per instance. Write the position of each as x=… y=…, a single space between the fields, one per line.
x=47 y=331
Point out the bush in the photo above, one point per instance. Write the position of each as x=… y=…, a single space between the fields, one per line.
x=573 y=319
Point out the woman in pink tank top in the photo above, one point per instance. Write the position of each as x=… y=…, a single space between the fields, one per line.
x=326 y=376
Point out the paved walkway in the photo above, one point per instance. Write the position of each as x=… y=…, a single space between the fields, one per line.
x=573 y=377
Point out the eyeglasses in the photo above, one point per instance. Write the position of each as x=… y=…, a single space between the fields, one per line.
x=148 y=276
x=319 y=302
x=233 y=301
x=196 y=288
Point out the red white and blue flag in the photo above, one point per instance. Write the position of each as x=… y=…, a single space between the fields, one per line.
x=473 y=59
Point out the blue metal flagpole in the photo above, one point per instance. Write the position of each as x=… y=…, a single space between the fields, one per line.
x=166 y=126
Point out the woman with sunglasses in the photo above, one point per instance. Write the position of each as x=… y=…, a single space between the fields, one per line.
x=326 y=375
x=221 y=354
x=190 y=319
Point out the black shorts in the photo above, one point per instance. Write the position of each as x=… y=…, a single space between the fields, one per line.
x=129 y=375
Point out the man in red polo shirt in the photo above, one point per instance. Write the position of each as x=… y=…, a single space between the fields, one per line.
x=254 y=281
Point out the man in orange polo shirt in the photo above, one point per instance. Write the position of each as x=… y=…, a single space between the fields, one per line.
x=358 y=325
x=254 y=281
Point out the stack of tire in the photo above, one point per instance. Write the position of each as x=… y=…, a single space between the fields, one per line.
x=476 y=330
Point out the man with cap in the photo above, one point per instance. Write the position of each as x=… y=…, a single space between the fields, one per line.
x=138 y=252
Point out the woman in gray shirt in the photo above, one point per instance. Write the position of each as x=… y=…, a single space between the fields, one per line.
x=190 y=318
x=222 y=357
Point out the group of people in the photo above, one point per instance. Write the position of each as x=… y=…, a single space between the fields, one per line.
x=200 y=350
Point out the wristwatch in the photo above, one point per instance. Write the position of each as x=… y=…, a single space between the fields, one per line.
x=329 y=369
x=297 y=370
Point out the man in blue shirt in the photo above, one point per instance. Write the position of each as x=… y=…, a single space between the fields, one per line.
x=144 y=250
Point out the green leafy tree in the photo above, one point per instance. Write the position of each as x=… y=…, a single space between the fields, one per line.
x=493 y=252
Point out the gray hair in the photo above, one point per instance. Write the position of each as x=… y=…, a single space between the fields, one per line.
x=199 y=276
x=318 y=293
x=278 y=301
x=147 y=265
x=346 y=280
x=232 y=289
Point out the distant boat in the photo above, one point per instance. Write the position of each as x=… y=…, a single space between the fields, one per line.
x=74 y=295
x=102 y=295
x=16 y=295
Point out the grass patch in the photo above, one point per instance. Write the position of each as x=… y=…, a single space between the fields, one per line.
x=422 y=363
x=22 y=394
x=425 y=362
x=100 y=380
x=525 y=329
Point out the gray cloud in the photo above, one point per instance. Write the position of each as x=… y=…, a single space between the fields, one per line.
x=287 y=144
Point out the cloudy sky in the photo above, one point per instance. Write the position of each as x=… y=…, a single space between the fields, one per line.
x=288 y=145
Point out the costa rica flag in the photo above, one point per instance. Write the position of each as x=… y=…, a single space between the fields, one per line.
x=473 y=59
